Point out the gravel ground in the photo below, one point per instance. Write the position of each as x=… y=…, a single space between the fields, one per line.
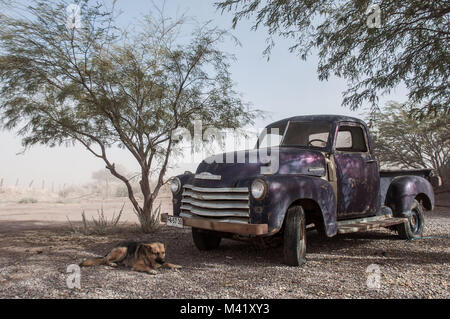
x=34 y=257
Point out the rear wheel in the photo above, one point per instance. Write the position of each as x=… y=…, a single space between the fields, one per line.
x=205 y=239
x=294 y=243
x=416 y=221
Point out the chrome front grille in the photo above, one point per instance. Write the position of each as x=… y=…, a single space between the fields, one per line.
x=220 y=204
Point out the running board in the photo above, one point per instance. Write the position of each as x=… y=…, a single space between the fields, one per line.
x=368 y=223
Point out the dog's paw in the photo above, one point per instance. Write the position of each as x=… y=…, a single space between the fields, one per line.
x=172 y=266
x=152 y=272
x=112 y=265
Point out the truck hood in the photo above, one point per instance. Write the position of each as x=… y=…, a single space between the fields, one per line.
x=234 y=171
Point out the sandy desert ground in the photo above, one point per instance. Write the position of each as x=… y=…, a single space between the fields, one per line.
x=37 y=246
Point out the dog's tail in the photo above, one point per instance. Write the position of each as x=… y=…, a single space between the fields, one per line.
x=93 y=262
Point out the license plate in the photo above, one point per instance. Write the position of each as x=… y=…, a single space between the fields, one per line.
x=175 y=221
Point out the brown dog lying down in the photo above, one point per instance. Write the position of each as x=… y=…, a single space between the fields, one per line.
x=136 y=255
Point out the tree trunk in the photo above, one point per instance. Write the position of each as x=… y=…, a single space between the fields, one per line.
x=148 y=217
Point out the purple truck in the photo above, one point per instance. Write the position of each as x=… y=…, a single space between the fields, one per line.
x=307 y=172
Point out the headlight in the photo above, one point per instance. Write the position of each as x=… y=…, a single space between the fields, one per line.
x=259 y=189
x=175 y=185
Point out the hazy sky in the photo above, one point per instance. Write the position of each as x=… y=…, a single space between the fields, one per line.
x=284 y=86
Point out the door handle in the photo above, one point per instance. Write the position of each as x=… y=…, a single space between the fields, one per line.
x=371 y=161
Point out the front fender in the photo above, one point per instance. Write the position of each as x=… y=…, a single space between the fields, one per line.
x=283 y=190
x=404 y=189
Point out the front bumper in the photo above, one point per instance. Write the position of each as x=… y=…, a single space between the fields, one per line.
x=234 y=228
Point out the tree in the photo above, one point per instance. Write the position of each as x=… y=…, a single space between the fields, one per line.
x=411 y=46
x=401 y=140
x=104 y=178
x=99 y=86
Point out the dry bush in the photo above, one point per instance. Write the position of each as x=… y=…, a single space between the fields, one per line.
x=28 y=200
x=100 y=226
x=152 y=223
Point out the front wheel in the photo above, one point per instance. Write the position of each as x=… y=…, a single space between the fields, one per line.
x=205 y=239
x=294 y=244
x=416 y=221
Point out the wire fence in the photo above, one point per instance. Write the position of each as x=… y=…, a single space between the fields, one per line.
x=71 y=191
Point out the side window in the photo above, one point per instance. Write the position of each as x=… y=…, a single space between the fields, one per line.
x=351 y=139
x=344 y=140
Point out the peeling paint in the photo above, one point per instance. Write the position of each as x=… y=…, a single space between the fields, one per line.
x=355 y=188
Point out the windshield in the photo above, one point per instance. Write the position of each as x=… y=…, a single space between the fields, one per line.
x=304 y=134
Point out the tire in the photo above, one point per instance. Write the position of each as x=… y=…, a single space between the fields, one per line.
x=414 y=227
x=205 y=239
x=294 y=241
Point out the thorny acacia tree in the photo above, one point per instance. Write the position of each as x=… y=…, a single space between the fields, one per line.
x=410 y=143
x=412 y=46
x=100 y=87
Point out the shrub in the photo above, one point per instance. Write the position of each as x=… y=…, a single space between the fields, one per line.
x=152 y=223
x=100 y=226
x=28 y=201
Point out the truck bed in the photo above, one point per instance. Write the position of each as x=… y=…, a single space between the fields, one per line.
x=391 y=173
x=387 y=175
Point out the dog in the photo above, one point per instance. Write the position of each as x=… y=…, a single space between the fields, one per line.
x=138 y=256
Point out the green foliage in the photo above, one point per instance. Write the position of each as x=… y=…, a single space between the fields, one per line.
x=404 y=141
x=411 y=47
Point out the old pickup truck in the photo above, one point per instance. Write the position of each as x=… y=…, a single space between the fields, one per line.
x=321 y=173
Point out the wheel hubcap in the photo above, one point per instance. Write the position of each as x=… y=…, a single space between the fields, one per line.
x=414 y=222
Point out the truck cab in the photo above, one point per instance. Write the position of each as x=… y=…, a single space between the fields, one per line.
x=306 y=172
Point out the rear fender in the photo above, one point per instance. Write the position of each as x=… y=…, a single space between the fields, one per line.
x=404 y=190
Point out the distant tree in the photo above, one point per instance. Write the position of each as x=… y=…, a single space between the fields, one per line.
x=400 y=140
x=98 y=86
x=104 y=177
x=411 y=46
